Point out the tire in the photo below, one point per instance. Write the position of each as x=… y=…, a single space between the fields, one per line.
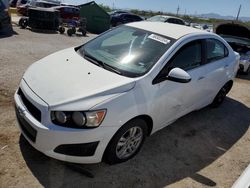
x=219 y=98
x=61 y=30
x=248 y=70
x=74 y=30
x=84 y=32
x=70 y=32
x=127 y=142
x=23 y=23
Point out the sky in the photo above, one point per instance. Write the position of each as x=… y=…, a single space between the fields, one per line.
x=222 y=7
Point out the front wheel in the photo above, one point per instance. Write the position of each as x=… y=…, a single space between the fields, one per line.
x=127 y=142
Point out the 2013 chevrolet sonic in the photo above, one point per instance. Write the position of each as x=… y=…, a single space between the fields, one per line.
x=99 y=101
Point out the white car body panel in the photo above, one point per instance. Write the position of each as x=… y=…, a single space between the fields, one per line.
x=76 y=79
x=62 y=82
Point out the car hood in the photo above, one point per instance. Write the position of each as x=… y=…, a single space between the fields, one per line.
x=66 y=77
x=233 y=29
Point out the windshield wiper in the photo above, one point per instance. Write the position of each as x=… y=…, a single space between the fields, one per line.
x=101 y=63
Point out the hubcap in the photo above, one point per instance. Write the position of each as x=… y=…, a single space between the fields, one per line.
x=129 y=142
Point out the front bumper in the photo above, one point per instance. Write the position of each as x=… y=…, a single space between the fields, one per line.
x=244 y=66
x=66 y=144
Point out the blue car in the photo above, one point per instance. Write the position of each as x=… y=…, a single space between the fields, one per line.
x=118 y=19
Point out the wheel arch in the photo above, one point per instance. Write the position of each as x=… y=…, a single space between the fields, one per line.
x=146 y=118
x=229 y=85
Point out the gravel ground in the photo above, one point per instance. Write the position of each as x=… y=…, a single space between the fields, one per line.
x=206 y=148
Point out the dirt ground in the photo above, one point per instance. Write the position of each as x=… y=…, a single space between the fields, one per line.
x=206 y=148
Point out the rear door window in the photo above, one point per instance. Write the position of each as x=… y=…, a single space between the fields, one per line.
x=215 y=50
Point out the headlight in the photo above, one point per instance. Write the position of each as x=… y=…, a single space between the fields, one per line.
x=61 y=117
x=88 y=119
x=79 y=118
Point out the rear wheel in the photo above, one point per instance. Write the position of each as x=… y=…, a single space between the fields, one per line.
x=221 y=95
x=127 y=142
x=248 y=70
x=23 y=23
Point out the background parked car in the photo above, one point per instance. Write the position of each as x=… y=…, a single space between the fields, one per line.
x=169 y=19
x=23 y=9
x=238 y=37
x=123 y=18
x=118 y=12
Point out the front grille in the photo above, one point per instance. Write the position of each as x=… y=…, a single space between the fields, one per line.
x=29 y=131
x=35 y=112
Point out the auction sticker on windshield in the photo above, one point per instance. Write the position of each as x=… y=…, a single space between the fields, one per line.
x=159 y=38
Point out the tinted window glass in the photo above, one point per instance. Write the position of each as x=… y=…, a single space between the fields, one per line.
x=180 y=22
x=171 y=20
x=215 y=50
x=188 y=57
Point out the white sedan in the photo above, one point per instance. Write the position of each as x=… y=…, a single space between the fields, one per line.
x=99 y=101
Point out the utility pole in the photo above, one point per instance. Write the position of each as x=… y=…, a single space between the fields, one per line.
x=178 y=9
x=237 y=18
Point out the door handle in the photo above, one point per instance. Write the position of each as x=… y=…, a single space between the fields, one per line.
x=202 y=77
x=226 y=66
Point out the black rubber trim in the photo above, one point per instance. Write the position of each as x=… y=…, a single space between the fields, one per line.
x=27 y=129
x=80 y=150
x=35 y=112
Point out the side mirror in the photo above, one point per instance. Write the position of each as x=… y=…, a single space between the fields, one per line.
x=179 y=75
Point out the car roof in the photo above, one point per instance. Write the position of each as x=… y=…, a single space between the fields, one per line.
x=165 y=16
x=66 y=6
x=128 y=13
x=174 y=31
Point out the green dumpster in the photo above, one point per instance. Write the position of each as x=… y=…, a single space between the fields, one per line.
x=98 y=20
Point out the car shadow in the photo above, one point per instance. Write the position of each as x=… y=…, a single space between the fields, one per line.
x=176 y=152
x=243 y=76
x=7 y=32
x=42 y=31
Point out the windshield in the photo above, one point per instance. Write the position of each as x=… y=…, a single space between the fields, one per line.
x=130 y=51
x=157 y=19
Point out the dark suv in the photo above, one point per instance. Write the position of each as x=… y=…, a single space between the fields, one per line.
x=123 y=18
x=168 y=19
x=5 y=20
